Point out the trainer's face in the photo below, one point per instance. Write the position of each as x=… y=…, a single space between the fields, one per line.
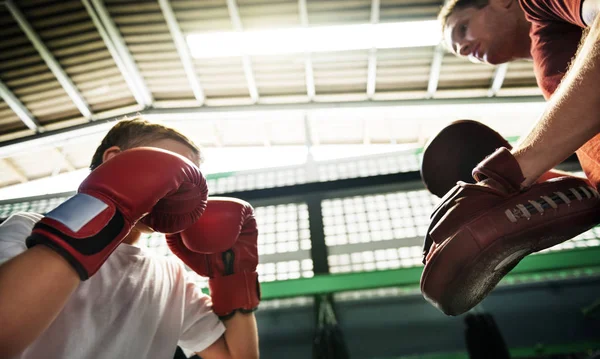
x=488 y=34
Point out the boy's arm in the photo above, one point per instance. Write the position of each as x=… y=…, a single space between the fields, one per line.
x=239 y=341
x=34 y=287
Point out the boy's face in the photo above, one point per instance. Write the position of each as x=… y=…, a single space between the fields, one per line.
x=487 y=35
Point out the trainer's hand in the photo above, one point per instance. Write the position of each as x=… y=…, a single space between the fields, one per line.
x=222 y=245
x=114 y=197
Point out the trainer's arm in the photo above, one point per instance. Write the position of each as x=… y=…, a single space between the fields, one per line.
x=34 y=287
x=571 y=117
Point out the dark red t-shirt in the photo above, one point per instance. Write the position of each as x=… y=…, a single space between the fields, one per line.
x=556 y=29
x=556 y=32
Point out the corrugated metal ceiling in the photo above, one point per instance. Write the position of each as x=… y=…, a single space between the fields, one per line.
x=72 y=33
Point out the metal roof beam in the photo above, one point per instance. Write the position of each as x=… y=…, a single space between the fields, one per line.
x=498 y=79
x=63 y=158
x=372 y=65
x=308 y=66
x=236 y=20
x=17 y=106
x=435 y=70
x=16 y=170
x=218 y=133
x=182 y=49
x=50 y=60
x=113 y=39
x=129 y=79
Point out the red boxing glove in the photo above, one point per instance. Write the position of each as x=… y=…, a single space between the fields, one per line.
x=222 y=245
x=87 y=228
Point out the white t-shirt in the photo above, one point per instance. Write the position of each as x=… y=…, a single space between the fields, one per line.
x=136 y=306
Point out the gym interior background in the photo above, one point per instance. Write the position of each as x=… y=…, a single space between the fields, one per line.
x=316 y=112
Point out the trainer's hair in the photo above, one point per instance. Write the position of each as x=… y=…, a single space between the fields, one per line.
x=453 y=5
x=135 y=132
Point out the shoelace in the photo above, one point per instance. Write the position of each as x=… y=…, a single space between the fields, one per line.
x=553 y=201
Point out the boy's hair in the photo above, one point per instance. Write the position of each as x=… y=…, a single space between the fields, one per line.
x=136 y=132
x=453 y=5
